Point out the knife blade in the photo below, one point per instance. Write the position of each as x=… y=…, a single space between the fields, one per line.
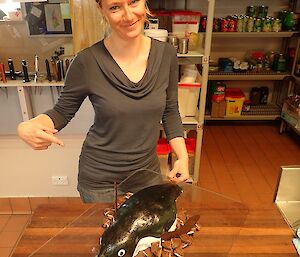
x=58 y=70
x=49 y=77
x=2 y=71
x=25 y=71
x=54 y=68
x=11 y=69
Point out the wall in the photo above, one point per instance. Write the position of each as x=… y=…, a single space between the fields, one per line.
x=23 y=171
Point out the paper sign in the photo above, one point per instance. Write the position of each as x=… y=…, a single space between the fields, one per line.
x=36 y=11
x=65 y=11
x=54 y=20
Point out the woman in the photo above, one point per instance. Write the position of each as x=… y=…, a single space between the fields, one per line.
x=131 y=81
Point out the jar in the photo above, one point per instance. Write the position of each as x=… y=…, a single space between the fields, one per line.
x=246 y=106
x=183 y=45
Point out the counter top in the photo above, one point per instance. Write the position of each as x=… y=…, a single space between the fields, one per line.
x=227 y=228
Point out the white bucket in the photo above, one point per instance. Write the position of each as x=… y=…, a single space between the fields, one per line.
x=159 y=34
x=188 y=95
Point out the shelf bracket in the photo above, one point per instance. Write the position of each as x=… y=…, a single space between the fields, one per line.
x=25 y=103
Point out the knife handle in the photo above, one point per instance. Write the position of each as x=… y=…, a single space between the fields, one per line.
x=54 y=68
x=25 y=71
x=67 y=64
x=49 y=77
x=2 y=71
x=62 y=69
x=11 y=69
x=58 y=70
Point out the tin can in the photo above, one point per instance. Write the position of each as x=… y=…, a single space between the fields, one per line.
x=267 y=25
x=240 y=24
x=277 y=25
x=257 y=25
x=262 y=11
x=203 y=23
x=280 y=63
x=271 y=58
x=251 y=11
x=264 y=93
x=217 y=25
x=250 y=24
x=245 y=23
x=246 y=106
x=224 y=25
x=231 y=26
x=173 y=40
x=183 y=45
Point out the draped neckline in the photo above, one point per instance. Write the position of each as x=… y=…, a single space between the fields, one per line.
x=119 y=67
x=119 y=79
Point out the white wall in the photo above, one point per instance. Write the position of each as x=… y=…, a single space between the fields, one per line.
x=26 y=172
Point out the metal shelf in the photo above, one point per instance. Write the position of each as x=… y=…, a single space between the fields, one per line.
x=192 y=57
x=272 y=75
x=20 y=83
x=283 y=34
x=258 y=112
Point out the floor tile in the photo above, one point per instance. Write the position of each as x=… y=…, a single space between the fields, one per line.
x=9 y=238
x=16 y=223
x=20 y=205
x=5 y=251
x=3 y=220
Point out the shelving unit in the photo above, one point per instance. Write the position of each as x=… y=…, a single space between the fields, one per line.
x=282 y=34
x=272 y=75
x=272 y=110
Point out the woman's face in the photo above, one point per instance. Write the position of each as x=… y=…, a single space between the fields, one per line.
x=126 y=17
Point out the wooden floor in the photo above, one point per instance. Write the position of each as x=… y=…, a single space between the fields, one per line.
x=240 y=161
x=243 y=161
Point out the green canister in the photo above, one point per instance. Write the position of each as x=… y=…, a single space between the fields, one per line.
x=250 y=24
x=267 y=25
x=262 y=11
x=277 y=25
x=240 y=24
x=251 y=11
x=257 y=25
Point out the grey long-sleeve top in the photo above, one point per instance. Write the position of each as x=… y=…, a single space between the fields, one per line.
x=127 y=115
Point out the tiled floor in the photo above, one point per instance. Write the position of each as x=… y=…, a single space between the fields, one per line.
x=240 y=161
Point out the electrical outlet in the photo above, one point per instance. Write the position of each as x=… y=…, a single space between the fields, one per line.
x=60 y=180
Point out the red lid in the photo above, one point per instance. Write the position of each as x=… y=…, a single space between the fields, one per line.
x=161 y=13
x=234 y=93
x=189 y=84
x=191 y=13
x=190 y=144
x=163 y=146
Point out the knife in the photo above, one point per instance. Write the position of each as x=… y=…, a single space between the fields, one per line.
x=49 y=77
x=25 y=71
x=2 y=71
x=67 y=64
x=62 y=70
x=11 y=69
x=58 y=70
x=54 y=68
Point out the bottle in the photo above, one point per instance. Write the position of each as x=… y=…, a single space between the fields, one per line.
x=297 y=68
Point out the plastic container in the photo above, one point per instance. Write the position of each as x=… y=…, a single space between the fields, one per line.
x=159 y=34
x=163 y=151
x=234 y=101
x=188 y=94
x=185 y=21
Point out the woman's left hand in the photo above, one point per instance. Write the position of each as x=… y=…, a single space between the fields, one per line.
x=180 y=171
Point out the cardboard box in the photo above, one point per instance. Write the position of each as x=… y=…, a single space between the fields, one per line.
x=218 y=109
